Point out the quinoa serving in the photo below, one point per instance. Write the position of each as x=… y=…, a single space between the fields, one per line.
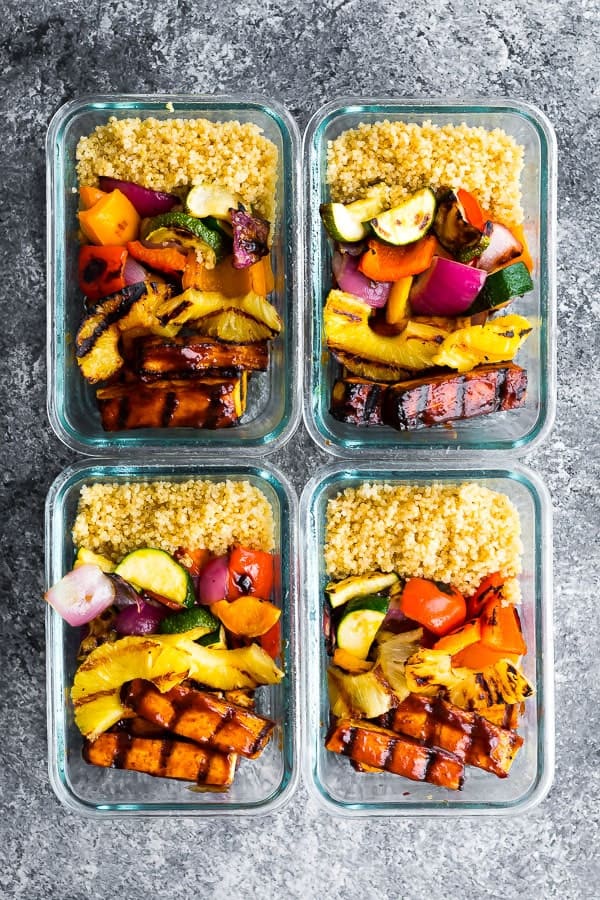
x=452 y=533
x=407 y=157
x=114 y=519
x=173 y=154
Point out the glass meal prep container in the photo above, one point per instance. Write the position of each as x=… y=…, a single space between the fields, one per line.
x=517 y=430
x=330 y=777
x=260 y=785
x=273 y=407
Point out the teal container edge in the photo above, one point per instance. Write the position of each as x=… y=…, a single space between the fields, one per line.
x=275 y=397
x=511 y=433
x=261 y=786
x=331 y=782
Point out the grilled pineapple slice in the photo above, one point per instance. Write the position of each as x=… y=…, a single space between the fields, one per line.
x=366 y=368
x=234 y=326
x=366 y=695
x=225 y=670
x=501 y=683
x=496 y=341
x=392 y=655
x=346 y=327
x=197 y=306
x=98 y=680
x=430 y=671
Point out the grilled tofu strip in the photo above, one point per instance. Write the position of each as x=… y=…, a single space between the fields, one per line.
x=448 y=397
x=469 y=736
x=372 y=746
x=210 y=403
x=357 y=401
x=164 y=758
x=189 y=357
x=200 y=716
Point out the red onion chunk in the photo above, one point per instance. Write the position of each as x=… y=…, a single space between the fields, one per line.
x=82 y=594
x=250 y=238
x=447 y=288
x=352 y=280
x=146 y=202
x=140 y=618
x=395 y=620
x=125 y=593
x=354 y=248
x=133 y=272
x=212 y=584
x=503 y=247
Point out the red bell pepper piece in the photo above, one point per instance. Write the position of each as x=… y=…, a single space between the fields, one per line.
x=472 y=209
x=479 y=656
x=490 y=587
x=270 y=641
x=437 y=606
x=457 y=640
x=101 y=270
x=250 y=572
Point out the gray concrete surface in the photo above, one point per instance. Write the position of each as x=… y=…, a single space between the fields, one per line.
x=302 y=54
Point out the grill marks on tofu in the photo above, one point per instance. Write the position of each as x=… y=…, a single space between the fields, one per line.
x=200 y=716
x=466 y=734
x=164 y=758
x=380 y=748
x=185 y=357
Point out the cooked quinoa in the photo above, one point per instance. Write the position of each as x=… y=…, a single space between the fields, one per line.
x=114 y=519
x=407 y=157
x=174 y=154
x=452 y=533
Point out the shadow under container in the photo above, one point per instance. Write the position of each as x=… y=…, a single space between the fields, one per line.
x=330 y=777
x=274 y=397
x=516 y=431
x=261 y=785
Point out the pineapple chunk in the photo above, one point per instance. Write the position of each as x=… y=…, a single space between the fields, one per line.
x=392 y=655
x=496 y=341
x=501 y=683
x=430 y=671
x=226 y=670
x=193 y=305
x=346 y=324
x=365 y=695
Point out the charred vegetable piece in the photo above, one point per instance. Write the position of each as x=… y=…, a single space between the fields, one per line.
x=468 y=735
x=502 y=682
x=501 y=287
x=373 y=746
x=157 y=571
x=201 y=716
x=190 y=224
x=250 y=238
x=209 y=403
x=407 y=222
x=502 y=247
x=451 y=226
x=360 y=621
x=339 y=592
x=358 y=402
x=198 y=306
x=101 y=270
x=189 y=357
x=211 y=200
x=165 y=758
x=423 y=402
x=496 y=341
x=112 y=220
x=365 y=694
x=365 y=368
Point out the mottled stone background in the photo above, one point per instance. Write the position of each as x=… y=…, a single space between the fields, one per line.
x=301 y=54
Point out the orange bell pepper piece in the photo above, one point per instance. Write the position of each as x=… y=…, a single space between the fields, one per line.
x=192 y=560
x=248 y=616
x=90 y=195
x=101 y=270
x=111 y=220
x=472 y=209
x=381 y=262
x=457 y=640
x=261 y=276
x=166 y=259
x=478 y=656
x=501 y=628
x=223 y=278
x=525 y=256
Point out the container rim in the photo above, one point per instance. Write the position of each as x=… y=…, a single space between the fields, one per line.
x=439 y=105
x=194 y=467
x=106 y=447
x=456 y=467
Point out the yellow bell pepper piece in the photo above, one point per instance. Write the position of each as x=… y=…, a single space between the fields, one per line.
x=496 y=341
x=112 y=220
x=397 y=308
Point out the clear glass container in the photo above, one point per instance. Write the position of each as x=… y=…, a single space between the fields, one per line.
x=515 y=431
x=261 y=785
x=330 y=778
x=274 y=398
